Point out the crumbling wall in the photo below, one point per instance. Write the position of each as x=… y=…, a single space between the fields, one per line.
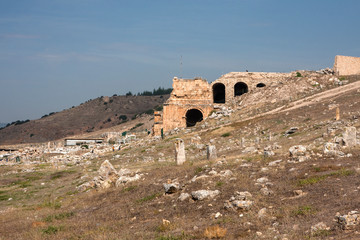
x=251 y=79
x=345 y=65
x=187 y=94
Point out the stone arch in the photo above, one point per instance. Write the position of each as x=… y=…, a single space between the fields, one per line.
x=193 y=116
x=218 y=93
x=260 y=85
x=240 y=88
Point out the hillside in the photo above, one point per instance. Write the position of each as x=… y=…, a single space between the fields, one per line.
x=286 y=167
x=93 y=115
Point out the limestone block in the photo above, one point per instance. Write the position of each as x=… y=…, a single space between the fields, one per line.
x=202 y=194
x=211 y=152
x=349 y=136
x=107 y=170
x=180 y=151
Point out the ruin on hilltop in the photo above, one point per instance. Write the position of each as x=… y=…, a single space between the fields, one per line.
x=192 y=100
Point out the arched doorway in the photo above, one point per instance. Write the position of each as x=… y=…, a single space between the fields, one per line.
x=260 y=85
x=240 y=88
x=219 y=93
x=192 y=117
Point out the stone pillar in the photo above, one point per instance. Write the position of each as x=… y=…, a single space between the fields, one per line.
x=242 y=142
x=211 y=152
x=180 y=151
x=349 y=136
x=337 y=117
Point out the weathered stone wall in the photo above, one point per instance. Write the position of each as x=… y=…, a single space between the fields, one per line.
x=345 y=65
x=198 y=94
x=187 y=94
x=158 y=123
x=251 y=79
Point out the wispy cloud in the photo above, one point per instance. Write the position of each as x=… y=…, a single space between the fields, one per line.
x=19 y=36
x=69 y=57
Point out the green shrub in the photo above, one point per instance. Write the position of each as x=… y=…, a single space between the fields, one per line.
x=298 y=74
x=123 y=117
x=149 y=112
x=158 y=108
x=51 y=230
x=303 y=211
x=226 y=134
x=148 y=198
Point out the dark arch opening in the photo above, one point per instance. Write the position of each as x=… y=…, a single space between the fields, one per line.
x=219 y=93
x=192 y=117
x=240 y=88
x=259 y=85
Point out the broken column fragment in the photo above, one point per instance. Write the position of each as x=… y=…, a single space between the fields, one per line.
x=180 y=151
x=211 y=152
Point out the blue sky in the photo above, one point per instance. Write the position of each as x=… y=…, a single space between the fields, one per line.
x=59 y=53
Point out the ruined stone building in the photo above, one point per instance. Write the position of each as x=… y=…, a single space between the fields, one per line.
x=192 y=100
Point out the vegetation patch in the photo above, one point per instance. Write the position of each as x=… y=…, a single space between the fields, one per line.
x=59 y=216
x=198 y=170
x=52 y=230
x=219 y=184
x=61 y=174
x=303 y=211
x=136 y=126
x=50 y=204
x=129 y=189
x=215 y=232
x=4 y=196
x=226 y=134
x=148 y=198
x=315 y=179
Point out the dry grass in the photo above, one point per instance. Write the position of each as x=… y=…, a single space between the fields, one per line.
x=56 y=210
x=215 y=232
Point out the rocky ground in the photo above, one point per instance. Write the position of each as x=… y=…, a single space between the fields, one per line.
x=262 y=169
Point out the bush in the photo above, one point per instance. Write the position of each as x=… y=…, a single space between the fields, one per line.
x=51 y=230
x=136 y=126
x=123 y=117
x=158 y=108
x=298 y=74
x=149 y=112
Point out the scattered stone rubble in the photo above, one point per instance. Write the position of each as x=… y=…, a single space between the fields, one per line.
x=298 y=153
x=318 y=228
x=108 y=177
x=222 y=111
x=327 y=71
x=347 y=140
x=348 y=221
x=240 y=201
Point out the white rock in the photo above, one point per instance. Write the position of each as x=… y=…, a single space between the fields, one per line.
x=184 y=196
x=203 y=194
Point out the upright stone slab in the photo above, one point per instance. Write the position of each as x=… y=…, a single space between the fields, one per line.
x=211 y=152
x=337 y=117
x=242 y=142
x=349 y=136
x=180 y=151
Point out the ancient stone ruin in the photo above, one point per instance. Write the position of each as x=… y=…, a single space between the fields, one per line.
x=192 y=100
